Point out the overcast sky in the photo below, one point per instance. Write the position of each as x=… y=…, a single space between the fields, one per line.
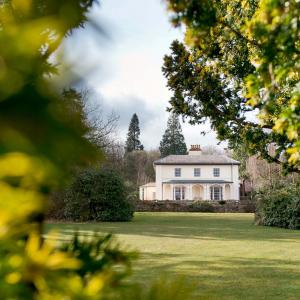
x=123 y=66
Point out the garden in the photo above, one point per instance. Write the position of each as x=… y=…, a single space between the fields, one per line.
x=218 y=256
x=69 y=184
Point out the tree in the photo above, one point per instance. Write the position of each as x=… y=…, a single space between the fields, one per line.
x=239 y=153
x=114 y=155
x=134 y=165
x=240 y=59
x=103 y=128
x=152 y=156
x=133 y=143
x=173 y=140
x=98 y=195
x=138 y=166
x=211 y=149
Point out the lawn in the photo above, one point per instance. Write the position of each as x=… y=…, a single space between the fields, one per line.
x=224 y=256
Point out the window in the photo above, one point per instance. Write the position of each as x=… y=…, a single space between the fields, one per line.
x=177 y=172
x=216 y=193
x=143 y=194
x=179 y=193
x=216 y=172
x=197 y=172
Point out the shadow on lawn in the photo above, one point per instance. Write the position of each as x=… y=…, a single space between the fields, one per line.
x=228 y=278
x=215 y=277
x=192 y=226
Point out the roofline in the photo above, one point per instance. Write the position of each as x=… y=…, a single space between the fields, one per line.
x=197 y=164
x=196 y=181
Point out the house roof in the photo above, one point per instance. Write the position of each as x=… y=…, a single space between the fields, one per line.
x=203 y=159
x=149 y=184
x=187 y=181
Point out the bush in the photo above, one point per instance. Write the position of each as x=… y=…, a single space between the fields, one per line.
x=201 y=206
x=98 y=195
x=279 y=207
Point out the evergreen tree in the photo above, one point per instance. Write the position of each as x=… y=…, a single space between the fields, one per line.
x=133 y=143
x=173 y=140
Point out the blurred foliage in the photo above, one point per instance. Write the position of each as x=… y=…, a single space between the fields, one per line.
x=241 y=59
x=161 y=289
x=43 y=135
x=33 y=118
x=41 y=138
x=100 y=254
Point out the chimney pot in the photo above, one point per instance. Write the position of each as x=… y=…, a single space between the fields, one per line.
x=195 y=150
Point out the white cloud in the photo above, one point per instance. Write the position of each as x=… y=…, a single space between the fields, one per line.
x=125 y=69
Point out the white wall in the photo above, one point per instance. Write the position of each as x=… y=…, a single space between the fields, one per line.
x=158 y=180
x=227 y=173
x=149 y=193
x=236 y=183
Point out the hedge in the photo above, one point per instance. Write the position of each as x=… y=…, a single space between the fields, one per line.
x=279 y=207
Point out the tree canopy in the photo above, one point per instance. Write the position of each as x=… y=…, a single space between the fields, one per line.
x=173 y=140
x=133 y=136
x=239 y=67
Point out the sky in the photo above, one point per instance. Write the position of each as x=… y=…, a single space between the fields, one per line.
x=121 y=65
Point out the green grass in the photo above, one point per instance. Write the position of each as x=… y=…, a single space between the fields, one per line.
x=224 y=256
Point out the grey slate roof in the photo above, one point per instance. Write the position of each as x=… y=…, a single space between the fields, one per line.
x=203 y=159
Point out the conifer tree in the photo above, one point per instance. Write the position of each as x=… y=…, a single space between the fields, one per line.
x=173 y=140
x=133 y=143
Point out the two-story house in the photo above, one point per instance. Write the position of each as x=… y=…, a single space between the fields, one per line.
x=194 y=176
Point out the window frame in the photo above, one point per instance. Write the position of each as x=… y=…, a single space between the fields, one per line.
x=179 y=193
x=177 y=170
x=216 y=172
x=214 y=191
x=197 y=174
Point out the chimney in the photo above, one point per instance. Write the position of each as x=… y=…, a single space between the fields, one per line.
x=195 y=150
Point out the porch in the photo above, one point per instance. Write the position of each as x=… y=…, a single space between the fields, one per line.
x=200 y=190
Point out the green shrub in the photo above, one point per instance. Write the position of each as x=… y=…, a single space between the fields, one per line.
x=56 y=207
x=279 y=207
x=201 y=206
x=98 y=195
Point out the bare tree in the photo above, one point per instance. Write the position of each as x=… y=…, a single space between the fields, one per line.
x=103 y=128
x=138 y=166
x=210 y=149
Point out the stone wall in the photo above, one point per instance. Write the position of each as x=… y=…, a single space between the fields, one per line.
x=245 y=205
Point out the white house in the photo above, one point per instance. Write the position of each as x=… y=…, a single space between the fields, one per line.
x=194 y=176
